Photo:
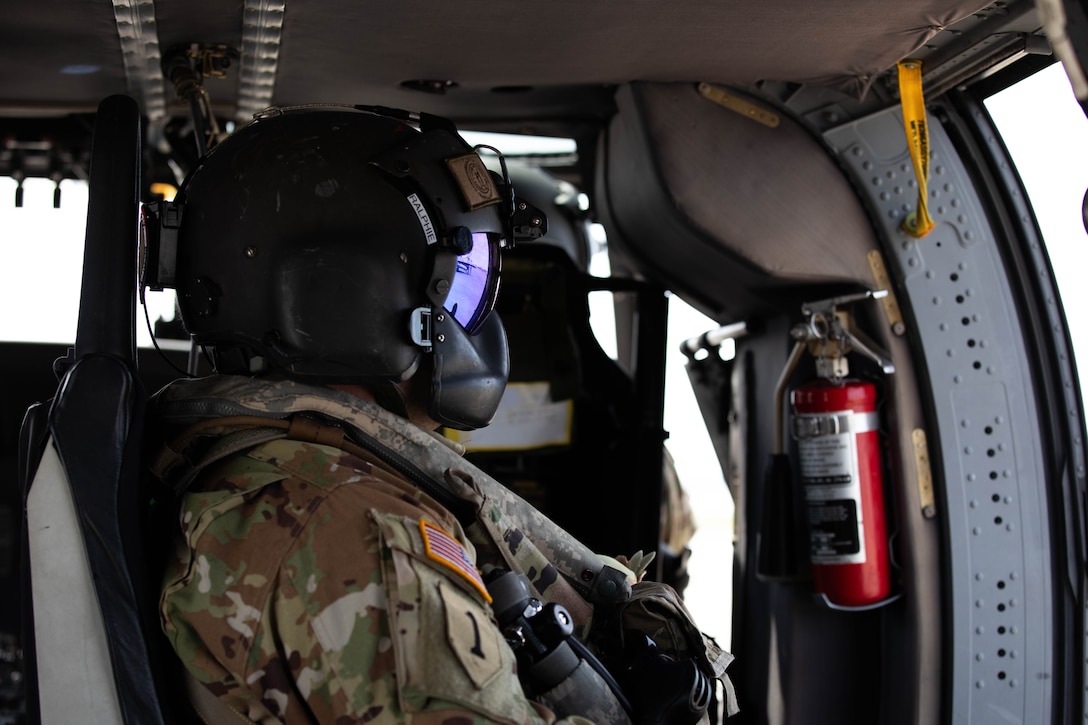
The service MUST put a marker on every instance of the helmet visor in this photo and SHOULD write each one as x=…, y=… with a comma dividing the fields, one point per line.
x=475, y=283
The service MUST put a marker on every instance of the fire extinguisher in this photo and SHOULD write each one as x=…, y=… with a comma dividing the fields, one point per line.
x=835, y=426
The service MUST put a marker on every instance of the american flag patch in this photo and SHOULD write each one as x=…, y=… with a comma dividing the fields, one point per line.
x=446, y=550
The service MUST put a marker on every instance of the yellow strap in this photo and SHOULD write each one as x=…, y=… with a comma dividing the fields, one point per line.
x=917, y=223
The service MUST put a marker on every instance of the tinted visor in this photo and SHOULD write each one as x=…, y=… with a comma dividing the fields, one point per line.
x=475, y=284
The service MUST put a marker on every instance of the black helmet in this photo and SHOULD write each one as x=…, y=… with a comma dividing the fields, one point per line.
x=340, y=245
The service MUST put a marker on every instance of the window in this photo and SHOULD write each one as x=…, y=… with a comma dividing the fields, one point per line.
x=1052, y=160
x=41, y=265
x=42, y=260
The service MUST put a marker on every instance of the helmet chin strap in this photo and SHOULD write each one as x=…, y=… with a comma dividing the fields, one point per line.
x=390, y=396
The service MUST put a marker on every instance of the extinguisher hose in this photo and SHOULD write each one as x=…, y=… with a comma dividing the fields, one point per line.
x=776, y=559
x=780, y=397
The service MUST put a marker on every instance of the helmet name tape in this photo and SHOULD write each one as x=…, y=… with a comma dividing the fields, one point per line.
x=474, y=181
x=424, y=218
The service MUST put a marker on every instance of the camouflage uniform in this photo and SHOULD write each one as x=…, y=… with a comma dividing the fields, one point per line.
x=303, y=593
x=311, y=584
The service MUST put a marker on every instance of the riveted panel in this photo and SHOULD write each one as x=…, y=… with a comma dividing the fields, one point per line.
x=988, y=476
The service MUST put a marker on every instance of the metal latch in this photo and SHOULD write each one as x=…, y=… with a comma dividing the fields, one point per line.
x=738, y=105
x=891, y=306
x=925, y=474
x=421, y=328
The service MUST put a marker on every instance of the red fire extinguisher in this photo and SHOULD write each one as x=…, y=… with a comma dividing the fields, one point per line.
x=835, y=425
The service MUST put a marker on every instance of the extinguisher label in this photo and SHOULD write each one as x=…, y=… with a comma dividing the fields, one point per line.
x=835, y=534
x=829, y=472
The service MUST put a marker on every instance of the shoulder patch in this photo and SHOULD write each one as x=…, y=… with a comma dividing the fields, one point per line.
x=474, y=180
x=446, y=550
x=473, y=639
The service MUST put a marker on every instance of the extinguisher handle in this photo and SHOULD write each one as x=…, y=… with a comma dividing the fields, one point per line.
x=827, y=307
x=885, y=364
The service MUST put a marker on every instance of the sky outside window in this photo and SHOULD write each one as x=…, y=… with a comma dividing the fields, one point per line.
x=1046, y=133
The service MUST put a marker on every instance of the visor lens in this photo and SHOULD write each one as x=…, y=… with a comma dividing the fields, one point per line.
x=475, y=283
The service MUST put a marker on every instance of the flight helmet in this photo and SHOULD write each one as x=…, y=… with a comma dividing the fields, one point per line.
x=345, y=245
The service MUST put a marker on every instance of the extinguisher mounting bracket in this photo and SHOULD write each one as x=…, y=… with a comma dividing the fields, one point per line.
x=830, y=334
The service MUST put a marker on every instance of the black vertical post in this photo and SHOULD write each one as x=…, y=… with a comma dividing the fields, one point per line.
x=653, y=316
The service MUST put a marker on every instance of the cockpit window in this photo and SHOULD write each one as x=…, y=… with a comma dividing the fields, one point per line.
x=41, y=264
x=41, y=260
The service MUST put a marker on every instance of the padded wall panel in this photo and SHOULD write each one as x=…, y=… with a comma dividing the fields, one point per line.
x=739, y=213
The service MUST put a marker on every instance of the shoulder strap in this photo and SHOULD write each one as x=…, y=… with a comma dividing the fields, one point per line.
x=401, y=446
x=179, y=462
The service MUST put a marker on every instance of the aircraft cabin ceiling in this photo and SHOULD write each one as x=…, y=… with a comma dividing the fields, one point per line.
x=475, y=59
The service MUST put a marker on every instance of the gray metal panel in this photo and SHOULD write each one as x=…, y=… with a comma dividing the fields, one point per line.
x=989, y=474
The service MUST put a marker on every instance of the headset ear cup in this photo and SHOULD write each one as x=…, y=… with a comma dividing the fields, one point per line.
x=469, y=373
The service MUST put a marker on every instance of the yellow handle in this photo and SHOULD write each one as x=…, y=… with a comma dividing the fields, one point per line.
x=918, y=223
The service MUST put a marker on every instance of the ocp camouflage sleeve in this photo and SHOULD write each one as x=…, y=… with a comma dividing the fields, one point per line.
x=308, y=589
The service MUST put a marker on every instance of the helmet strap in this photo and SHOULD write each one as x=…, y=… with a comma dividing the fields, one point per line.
x=390, y=397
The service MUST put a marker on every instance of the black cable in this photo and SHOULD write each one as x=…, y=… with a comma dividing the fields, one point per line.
x=147, y=319
x=583, y=652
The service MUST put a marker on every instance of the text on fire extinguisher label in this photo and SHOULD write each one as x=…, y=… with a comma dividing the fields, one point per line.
x=829, y=472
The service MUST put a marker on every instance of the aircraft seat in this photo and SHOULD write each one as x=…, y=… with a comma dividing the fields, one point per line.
x=91, y=642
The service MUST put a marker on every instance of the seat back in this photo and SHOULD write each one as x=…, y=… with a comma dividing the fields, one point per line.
x=90, y=638
x=577, y=435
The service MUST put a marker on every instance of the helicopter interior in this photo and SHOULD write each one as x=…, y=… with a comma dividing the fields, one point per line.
x=754, y=159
